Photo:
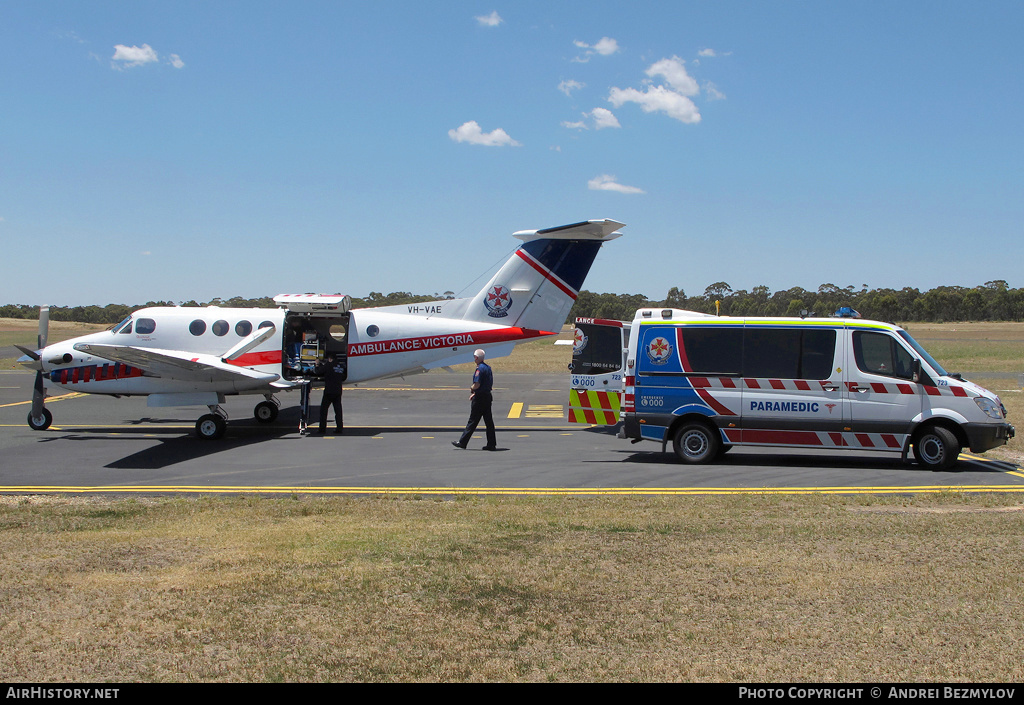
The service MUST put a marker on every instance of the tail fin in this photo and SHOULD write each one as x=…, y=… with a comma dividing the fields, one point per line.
x=539, y=283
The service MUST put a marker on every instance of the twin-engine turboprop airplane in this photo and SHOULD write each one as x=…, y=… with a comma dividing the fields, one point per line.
x=180, y=356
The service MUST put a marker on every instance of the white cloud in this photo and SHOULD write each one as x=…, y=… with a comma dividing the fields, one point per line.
x=658, y=99
x=176, y=61
x=608, y=183
x=568, y=87
x=606, y=46
x=491, y=20
x=470, y=132
x=712, y=92
x=674, y=71
x=133, y=55
x=604, y=118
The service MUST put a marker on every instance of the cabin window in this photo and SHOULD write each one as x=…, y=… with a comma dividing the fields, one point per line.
x=788, y=353
x=372, y=331
x=711, y=350
x=126, y=328
x=243, y=328
x=220, y=327
x=197, y=327
x=145, y=326
x=266, y=324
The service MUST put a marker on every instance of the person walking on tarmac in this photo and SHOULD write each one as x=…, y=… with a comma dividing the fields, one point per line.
x=333, y=371
x=480, y=404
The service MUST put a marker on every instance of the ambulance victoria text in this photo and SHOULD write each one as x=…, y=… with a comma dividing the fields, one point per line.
x=708, y=383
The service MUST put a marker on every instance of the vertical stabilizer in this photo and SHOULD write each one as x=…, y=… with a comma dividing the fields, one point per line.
x=539, y=283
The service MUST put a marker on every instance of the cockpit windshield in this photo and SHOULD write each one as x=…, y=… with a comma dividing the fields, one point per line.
x=121, y=325
x=923, y=353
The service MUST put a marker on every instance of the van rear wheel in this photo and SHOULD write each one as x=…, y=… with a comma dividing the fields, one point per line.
x=696, y=443
x=936, y=448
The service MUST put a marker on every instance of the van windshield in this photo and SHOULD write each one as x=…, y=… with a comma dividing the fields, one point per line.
x=923, y=353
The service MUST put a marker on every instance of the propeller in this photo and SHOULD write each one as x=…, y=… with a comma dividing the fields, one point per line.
x=39, y=418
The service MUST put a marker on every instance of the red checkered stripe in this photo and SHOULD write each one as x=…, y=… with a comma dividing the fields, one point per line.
x=820, y=439
x=594, y=407
x=804, y=385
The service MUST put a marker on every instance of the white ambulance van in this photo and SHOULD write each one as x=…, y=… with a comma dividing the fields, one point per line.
x=706, y=383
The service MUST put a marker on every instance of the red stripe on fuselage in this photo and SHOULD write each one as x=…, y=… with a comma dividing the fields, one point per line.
x=269, y=357
x=447, y=340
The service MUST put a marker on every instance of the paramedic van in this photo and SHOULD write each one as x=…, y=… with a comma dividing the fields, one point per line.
x=705, y=384
x=598, y=357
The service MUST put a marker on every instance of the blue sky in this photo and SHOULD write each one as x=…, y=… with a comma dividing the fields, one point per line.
x=187, y=150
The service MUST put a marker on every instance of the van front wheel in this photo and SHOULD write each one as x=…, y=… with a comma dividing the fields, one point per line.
x=936, y=448
x=696, y=443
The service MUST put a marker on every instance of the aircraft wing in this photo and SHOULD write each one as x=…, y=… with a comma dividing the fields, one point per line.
x=176, y=364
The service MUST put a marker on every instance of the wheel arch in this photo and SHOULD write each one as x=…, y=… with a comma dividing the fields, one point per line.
x=685, y=418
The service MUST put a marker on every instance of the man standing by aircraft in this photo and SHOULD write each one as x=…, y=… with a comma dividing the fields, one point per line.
x=480, y=404
x=333, y=371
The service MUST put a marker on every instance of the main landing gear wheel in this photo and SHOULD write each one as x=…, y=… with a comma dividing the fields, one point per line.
x=211, y=427
x=42, y=423
x=696, y=443
x=936, y=448
x=265, y=412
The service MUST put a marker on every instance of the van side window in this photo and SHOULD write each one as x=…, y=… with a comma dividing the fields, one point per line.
x=788, y=353
x=712, y=350
x=880, y=354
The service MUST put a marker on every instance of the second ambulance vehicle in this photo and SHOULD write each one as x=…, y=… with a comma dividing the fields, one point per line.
x=706, y=383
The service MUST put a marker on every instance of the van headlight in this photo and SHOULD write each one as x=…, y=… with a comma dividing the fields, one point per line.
x=990, y=408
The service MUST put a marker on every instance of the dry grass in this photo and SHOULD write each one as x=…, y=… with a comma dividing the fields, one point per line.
x=757, y=589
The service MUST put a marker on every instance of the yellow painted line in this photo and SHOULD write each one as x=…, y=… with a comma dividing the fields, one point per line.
x=516, y=411
x=62, y=397
x=552, y=411
x=550, y=491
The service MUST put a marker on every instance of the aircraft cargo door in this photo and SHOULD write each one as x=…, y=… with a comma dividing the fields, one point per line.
x=314, y=326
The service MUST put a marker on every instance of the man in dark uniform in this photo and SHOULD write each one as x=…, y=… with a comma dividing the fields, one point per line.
x=333, y=371
x=480, y=404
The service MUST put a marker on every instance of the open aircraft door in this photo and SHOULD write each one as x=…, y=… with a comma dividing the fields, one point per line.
x=314, y=325
x=597, y=368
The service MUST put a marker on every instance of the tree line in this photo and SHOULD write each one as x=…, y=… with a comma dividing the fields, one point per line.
x=991, y=301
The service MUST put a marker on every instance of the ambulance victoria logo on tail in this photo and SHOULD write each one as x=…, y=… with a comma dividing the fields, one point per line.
x=498, y=301
x=659, y=351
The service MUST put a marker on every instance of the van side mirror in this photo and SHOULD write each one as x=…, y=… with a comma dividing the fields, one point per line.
x=915, y=370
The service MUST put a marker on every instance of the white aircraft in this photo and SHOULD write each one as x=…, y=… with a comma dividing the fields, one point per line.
x=180, y=356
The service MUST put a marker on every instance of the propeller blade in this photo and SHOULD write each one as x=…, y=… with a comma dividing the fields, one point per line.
x=30, y=353
x=38, y=397
x=44, y=325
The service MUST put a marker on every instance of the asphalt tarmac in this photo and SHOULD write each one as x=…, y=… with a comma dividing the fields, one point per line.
x=397, y=438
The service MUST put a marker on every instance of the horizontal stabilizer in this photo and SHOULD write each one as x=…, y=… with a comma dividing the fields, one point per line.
x=603, y=230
